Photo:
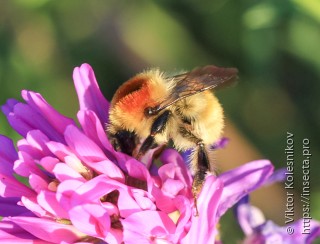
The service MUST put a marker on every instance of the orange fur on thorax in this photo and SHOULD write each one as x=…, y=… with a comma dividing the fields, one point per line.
x=132, y=98
x=135, y=101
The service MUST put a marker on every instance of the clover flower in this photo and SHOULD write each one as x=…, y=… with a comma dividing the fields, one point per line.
x=78, y=189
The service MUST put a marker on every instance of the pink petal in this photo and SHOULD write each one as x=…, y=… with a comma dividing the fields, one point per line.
x=10, y=187
x=66, y=154
x=147, y=160
x=107, y=168
x=249, y=217
x=94, y=189
x=39, y=104
x=138, y=171
x=12, y=233
x=64, y=172
x=80, y=143
x=91, y=153
x=35, y=144
x=17, y=123
x=74, y=163
x=203, y=227
x=164, y=202
x=48, y=163
x=241, y=181
x=7, y=108
x=60, y=150
x=114, y=236
x=9, y=207
x=89, y=94
x=184, y=207
x=143, y=199
x=278, y=175
x=174, y=168
x=48, y=230
x=8, y=155
x=47, y=200
x=37, y=183
x=182, y=173
x=7, y=150
x=172, y=187
x=26, y=165
x=95, y=130
x=300, y=229
x=32, y=204
x=23, y=119
x=91, y=219
x=148, y=227
x=175, y=180
x=65, y=191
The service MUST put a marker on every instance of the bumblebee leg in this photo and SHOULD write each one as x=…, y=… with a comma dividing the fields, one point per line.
x=203, y=166
x=202, y=163
x=157, y=127
x=188, y=135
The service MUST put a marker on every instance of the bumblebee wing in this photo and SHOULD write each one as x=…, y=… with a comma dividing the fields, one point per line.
x=198, y=80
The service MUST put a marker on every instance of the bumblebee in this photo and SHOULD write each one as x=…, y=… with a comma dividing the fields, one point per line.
x=152, y=109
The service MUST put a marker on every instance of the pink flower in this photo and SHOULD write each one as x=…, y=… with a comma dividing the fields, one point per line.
x=259, y=230
x=80, y=190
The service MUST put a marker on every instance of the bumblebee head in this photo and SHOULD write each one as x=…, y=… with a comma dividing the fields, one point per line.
x=132, y=97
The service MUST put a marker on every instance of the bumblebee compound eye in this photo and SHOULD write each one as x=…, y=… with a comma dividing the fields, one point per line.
x=149, y=111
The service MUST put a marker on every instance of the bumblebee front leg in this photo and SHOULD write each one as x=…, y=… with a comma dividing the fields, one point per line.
x=158, y=126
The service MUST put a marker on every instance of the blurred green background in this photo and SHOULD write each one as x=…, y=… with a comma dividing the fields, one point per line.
x=274, y=44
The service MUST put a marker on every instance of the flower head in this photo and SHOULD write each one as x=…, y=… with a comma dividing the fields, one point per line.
x=79, y=189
